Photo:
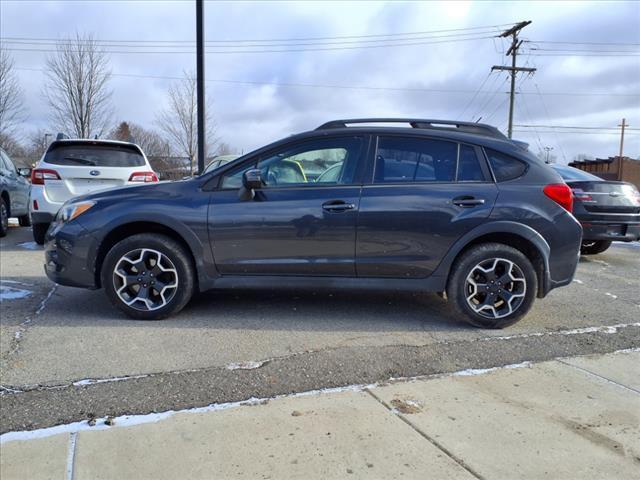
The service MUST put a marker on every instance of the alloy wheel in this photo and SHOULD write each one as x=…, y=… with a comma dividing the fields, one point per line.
x=495, y=288
x=145, y=279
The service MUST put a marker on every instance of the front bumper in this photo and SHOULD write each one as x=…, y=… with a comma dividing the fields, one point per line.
x=611, y=230
x=70, y=255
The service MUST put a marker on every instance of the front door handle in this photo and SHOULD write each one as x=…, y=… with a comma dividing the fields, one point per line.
x=468, y=201
x=337, y=206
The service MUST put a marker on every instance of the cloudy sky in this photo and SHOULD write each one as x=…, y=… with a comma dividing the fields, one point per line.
x=422, y=59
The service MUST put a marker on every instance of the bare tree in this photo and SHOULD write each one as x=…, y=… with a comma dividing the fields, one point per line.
x=151, y=142
x=12, y=110
x=77, y=87
x=179, y=119
x=39, y=141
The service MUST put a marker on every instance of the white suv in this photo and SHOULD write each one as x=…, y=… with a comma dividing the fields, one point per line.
x=76, y=167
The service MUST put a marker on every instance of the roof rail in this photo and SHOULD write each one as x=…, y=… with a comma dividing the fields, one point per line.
x=446, y=125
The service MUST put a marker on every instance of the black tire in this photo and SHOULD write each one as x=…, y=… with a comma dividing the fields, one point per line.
x=24, y=220
x=179, y=260
x=39, y=232
x=4, y=217
x=522, y=289
x=593, y=247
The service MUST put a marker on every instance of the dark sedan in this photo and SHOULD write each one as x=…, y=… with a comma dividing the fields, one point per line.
x=607, y=210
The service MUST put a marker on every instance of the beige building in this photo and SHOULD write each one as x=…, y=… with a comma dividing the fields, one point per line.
x=612, y=169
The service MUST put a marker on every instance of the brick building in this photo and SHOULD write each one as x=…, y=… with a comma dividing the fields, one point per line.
x=612, y=169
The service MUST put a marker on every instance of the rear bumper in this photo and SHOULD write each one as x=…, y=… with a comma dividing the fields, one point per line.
x=69, y=252
x=611, y=230
x=47, y=209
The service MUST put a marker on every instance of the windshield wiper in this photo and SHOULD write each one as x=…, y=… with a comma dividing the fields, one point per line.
x=82, y=161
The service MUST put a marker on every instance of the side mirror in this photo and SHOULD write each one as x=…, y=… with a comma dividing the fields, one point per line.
x=252, y=179
x=24, y=172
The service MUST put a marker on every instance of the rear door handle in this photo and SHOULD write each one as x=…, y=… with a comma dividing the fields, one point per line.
x=337, y=206
x=468, y=202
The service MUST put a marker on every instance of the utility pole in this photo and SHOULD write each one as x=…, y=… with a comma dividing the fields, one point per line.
x=200, y=82
x=513, y=51
x=622, y=125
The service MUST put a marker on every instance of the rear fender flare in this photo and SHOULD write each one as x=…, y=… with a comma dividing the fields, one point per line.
x=498, y=227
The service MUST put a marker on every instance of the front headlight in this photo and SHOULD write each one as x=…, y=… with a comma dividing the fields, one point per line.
x=72, y=210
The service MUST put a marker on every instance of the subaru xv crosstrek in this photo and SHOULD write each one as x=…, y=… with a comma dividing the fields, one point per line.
x=405, y=205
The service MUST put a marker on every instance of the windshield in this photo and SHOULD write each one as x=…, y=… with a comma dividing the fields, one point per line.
x=95, y=155
x=573, y=174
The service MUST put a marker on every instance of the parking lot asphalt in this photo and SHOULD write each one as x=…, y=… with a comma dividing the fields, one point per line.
x=70, y=350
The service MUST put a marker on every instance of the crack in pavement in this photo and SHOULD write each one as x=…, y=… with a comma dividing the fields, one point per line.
x=329, y=368
x=14, y=347
x=252, y=364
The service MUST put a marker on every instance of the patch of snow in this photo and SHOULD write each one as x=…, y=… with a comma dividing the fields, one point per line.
x=578, y=281
x=245, y=365
x=92, y=381
x=15, y=282
x=627, y=244
x=13, y=222
x=611, y=295
x=481, y=371
x=12, y=293
x=30, y=246
x=575, y=331
x=43, y=303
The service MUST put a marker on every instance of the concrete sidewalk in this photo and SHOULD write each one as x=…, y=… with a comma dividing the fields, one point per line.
x=566, y=419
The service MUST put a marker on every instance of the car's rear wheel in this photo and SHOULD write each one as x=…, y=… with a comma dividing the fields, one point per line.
x=492, y=285
x=39, y=232
x=148, y=276
x=4, y=217
x=593, y=247
x=24, y=220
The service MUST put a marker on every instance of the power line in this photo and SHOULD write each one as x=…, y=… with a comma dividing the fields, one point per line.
x=581, y=43
x=573, y=132
x=572, y=127
x=544, y=105
x=474, y=95
x=578, y=50
x=585, y=55
x=424, y=32
x=168, y=44
x=353, y=87
x=221, y=52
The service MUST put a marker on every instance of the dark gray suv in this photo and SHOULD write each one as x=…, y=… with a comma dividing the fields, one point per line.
x=375, y=204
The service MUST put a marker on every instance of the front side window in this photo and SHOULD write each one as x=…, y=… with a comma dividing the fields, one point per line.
x=314, y=163
x=402, y=159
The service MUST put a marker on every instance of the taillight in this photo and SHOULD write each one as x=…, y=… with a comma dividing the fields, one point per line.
x=143, y=177
x=561, y=194
x=40, y=175
x=581, y=195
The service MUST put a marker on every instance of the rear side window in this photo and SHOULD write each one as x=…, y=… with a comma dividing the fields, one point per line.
x=402, y=159
x=94, y=156
x=505, y=167
x=469, y=169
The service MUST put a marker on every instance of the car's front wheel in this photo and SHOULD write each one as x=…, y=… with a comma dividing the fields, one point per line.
x=492, y=285
x=148, y=276
x=593, y=247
